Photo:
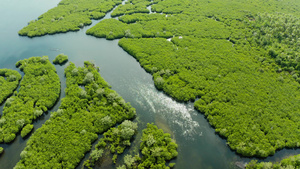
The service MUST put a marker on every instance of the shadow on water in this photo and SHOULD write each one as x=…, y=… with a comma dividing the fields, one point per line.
x=199, y=145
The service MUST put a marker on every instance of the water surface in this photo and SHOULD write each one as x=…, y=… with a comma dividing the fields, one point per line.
x=199, y=146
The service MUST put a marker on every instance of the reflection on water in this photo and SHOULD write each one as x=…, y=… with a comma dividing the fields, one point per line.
x=175, y=114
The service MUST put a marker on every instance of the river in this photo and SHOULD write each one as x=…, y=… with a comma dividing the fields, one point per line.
x=199, y=146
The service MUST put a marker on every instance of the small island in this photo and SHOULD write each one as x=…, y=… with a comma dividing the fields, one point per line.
x=114, y=141
x=9, y=81
x=26, y=130
x=60, y=59
x=84, y=112
x=39, y=91
x=157, y=148
x=68, y=17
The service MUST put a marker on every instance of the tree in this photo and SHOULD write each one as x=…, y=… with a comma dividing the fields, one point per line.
x=129, y=160
x=96, y=154
x=89, y=77
x=159, y=82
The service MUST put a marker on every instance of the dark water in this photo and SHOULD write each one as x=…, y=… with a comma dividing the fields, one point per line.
x=199, y=146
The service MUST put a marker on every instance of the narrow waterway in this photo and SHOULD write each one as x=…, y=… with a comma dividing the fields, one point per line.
x=199, y=146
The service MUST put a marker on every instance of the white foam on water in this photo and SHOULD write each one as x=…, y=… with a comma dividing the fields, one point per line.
x=176, y=114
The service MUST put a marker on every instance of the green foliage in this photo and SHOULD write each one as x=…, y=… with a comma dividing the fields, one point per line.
x=1, y=150
x=64, y=139
x=114, y=140
x=26, y=130
x=157, y=25
x=129, y=161
x=96, y=154
x=9, y=81
x=69, y=15
x=110, y=29
x=292, y=162
x=60, y=59
x=171, y=165
x=9, y=137
x=121, y=167
x=278, y=34
x=156, y=147
x=39, y=91
x=226, y=54
x=241, y=64
x=132, y=6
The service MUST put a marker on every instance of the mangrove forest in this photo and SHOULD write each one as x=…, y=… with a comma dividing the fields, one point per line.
x=237, y=62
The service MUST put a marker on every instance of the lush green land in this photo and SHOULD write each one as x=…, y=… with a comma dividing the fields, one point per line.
x=115, y=140
x=27, y=129
x=241, y=64
x=60, y=59
x=1, y=150
x=83, y=114
x=69, y=15
x=223, y=54
x=156, y=148
x=158, y=25
x=244, y=101
x=132, y=6
x=39, y=91
x=279, y=35
x=292, y=162
x=9, y=81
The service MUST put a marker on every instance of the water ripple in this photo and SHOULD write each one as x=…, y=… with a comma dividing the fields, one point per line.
x=178, y=115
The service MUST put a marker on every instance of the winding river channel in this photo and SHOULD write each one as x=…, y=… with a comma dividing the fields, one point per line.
x=199, y=146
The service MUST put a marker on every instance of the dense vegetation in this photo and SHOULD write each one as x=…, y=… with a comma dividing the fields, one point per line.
x=292, y=162
x=115, y=140
x=60, y=59
x=156, y=147
x=213, y=55
x=27, y=129
x=1, y=150
x=39, y=91
x=158, y=25
x=279, y=35
x=242, y=64
x=69, y=15
x=132, y=6
x=9, y=81
x=89, y=108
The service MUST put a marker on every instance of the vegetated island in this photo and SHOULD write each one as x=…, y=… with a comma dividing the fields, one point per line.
x=69, y=15
x=242, y=64
x=157, y=148
x=133, y=6
x=89, y=108
x=9, y=81
x=292, y=162
x=60, y=59
x=194, y=51
x=39, y=91
x=1, y=150
x=114, y=141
